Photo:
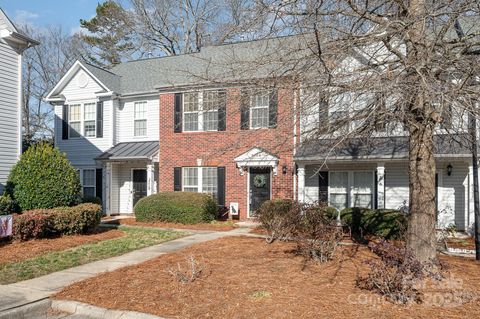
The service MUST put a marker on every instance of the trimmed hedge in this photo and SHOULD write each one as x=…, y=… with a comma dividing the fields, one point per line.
x=41, y=223
x=176, y=207
x=43, y=178
x=8, y=205
x=388, y=224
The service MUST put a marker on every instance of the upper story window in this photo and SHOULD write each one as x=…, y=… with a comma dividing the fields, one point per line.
x=259, y=110
x=75, y=121
x=140, y=119
x=89, y=119
x=201, y=110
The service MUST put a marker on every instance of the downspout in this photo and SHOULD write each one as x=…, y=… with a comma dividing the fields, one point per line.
x=294, y=143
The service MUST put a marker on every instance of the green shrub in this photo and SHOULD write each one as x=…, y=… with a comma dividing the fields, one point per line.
x=388, y=224
x=92, y=200
x=78, y=219
x=176, y=207
x=33, y=224
x=8, y=205
x=41, y=223
x=43, y=178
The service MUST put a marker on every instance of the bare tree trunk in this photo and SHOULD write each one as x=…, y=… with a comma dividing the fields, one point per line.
x=421, y=224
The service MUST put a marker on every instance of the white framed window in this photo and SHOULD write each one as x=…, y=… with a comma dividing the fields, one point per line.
x=338, y=190
x=351, y=189
x=140, y=119
x=89, y=119
x=259, y=109
x=191, y=111
x=88, y=182
x=75, y=121
x=200, y=110
x=362, y=189
x=200, y=179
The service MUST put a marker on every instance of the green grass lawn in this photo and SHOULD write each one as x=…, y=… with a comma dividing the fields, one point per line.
x=135, y=238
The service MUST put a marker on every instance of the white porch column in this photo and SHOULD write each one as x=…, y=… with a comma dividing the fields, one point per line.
x=150, y=179
x=381, y=185
x=470, y=212
x=301, y=182
x=108, y=188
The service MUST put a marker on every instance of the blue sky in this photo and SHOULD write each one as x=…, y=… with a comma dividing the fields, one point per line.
x=66, y=13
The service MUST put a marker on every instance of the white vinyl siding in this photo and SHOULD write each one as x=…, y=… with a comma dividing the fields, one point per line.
x=200, y=179
x=9, y=110
x=125, y=124
x=140, y=119
x=259, y=107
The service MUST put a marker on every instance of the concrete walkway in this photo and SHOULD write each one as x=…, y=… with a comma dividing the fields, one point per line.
x=31, y=291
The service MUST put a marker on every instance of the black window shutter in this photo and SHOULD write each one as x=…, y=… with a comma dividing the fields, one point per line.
x=323, y=114
x=99, y=119
x=221, y=186
x=222, y=110
x=177, y=179
x=323, y=187
x=65, y=122
x=98, y=182
x=178, y=101
x=273, y=108
x=245, y=110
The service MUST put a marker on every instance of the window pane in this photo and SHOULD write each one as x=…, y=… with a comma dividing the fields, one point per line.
x=362, y=200
x=74, y=130
x=140, y=128
x=339, y=201
x=210, y=121
x=338, y=182
x=89, y=129
x=75, y=113
x=211, y=100
x=89, y=111
x=261, y=99
x=363, y=182
x=190, y=177
x=140, y=112
x=190, y=102
x=190, y=189
x=88, y=177
x=191, y=122
x=209, y=180
x=89, y=192
x=259, y=117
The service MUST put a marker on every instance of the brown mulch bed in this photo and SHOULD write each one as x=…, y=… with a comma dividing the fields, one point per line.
x=258, y=231
x=247, y=278
x=217, y=226
x=16, y=251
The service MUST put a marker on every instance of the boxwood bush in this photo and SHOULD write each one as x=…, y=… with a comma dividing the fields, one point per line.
x=388, y=224
x=43, y=178
x=8, y=205
x=41, y=223
x=176, y=207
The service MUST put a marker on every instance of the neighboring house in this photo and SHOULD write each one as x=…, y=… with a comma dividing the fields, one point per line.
x=12, y=44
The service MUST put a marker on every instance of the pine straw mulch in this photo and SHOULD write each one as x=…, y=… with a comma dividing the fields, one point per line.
x=247, y=278
x=16, y=251
x=216, y=226
x=462, y=243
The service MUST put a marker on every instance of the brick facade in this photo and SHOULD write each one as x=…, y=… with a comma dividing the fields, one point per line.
x=220, y=148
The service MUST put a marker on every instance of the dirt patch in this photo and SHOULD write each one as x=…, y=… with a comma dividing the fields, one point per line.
x=217, y=226
x=16, y=251
x=247, y=278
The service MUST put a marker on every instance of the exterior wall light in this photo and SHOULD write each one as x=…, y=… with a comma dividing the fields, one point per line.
x=449, y=169
x=284, y=169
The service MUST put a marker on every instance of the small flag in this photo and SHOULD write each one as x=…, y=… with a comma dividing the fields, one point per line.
x=6, y=225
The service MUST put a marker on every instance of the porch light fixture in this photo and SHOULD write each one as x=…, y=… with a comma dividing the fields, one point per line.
x=284, y=169
x=449, y=169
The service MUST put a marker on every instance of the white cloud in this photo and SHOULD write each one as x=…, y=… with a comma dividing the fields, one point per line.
x=25, y=17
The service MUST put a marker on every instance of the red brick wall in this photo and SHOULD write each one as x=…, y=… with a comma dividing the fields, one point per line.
x=220, y=148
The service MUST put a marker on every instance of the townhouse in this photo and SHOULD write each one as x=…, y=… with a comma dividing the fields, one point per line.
x=12, y=44
x=204, y=122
